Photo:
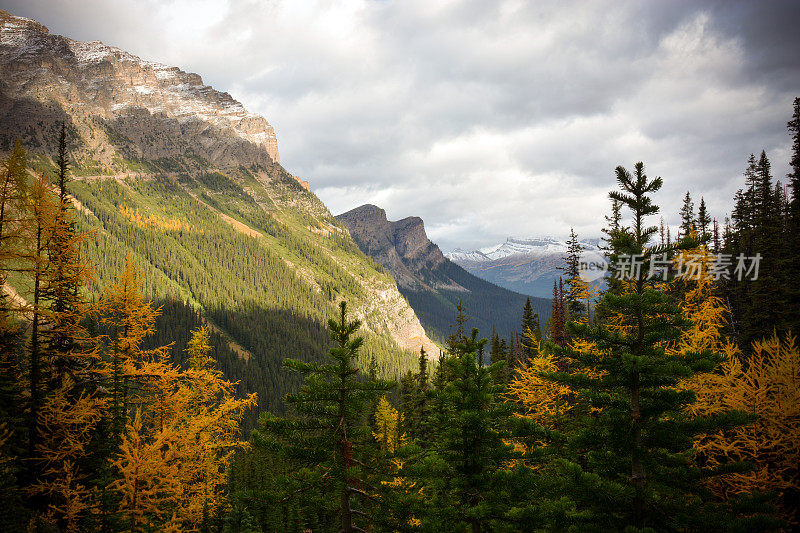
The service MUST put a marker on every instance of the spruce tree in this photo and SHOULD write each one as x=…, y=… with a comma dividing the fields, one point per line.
x=792, y=248
x=475, y=479
x=558, y=319
x=328, y=435
x=531, y=332
x=688, y=221
x=576, y=286
x=635, y=438
x=715, y=239
x=703, y=220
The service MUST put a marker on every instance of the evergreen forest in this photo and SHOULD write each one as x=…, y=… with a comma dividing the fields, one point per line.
x=132, y=397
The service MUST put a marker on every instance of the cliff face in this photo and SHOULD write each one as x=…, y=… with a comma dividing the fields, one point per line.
x=112, y=98
x=432, y=284
x=402, y=247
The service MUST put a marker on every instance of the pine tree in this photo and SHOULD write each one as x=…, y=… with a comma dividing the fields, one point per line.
x=476, y=479
x=717, y=243
x=792, y=248
x=635, y=472
x=613, y=224
x=558, y=321
x=421, y=399
x=530, y=330
x=328, y=435
x=576, y=286
x=42, y=208
x=688, y=221
x=703, y=220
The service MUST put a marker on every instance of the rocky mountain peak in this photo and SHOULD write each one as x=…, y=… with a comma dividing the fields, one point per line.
x=412, y=241
x=402, y=247
x=366, y=212
x=92, y=79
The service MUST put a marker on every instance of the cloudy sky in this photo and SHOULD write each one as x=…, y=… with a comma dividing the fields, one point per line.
x=486, y=118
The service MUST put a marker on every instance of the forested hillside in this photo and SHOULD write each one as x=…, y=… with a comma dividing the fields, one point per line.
x=262, y=278
x=188, y=183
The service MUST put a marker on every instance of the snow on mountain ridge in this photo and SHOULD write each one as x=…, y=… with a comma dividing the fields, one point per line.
x=535, y=247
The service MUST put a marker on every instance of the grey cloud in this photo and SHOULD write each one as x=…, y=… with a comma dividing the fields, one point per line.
x=486, y=119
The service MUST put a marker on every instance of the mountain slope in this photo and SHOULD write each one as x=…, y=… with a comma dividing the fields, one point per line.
x=432, y=283
x=528, y=266
x=187, y=182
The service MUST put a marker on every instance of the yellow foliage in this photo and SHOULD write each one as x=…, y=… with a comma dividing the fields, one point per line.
x=176, y=449
x=769, y=388
x=147, y=475
x=388, y=421
x=701, y=306
x=199, y=350
x=148, y=219
x=543, y=400
x=67, y=428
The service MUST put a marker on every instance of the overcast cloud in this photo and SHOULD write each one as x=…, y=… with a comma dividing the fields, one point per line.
x=487, y=119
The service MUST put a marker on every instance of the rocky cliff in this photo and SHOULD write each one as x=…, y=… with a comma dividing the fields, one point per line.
x=119, y=107
x=432, y=283
x=402, y=247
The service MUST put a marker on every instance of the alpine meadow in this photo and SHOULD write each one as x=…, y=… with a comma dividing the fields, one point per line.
x=190, y=340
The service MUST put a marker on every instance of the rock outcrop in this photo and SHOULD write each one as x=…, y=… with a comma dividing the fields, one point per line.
x=401, y=247
x=433, y=284
x=111, y=97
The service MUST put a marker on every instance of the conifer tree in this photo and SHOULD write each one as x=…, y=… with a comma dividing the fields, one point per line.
x=688, y=221
x=497, y=352
x=635, y=473
x=530, y=330
x=328, y=435
x=420, y=405
x=703, y=220
x=558, y=319
x=42, y=208
x=793, y=221
x=12, y=231
x=12, y=215
x=476, y=480
x=576, y=286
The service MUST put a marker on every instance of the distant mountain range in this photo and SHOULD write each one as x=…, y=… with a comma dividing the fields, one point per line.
x=528, y=266
x=431, y=282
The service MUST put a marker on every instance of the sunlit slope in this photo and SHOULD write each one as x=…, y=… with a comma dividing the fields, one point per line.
x=257, y=256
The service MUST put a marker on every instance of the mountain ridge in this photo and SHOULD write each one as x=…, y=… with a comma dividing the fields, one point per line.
x=91, y=79
x=186, y=181
x=432, y=283
x=526, y=265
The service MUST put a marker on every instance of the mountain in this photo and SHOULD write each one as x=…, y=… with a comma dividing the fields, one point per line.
x=186, y=181
x=431, y=282
x=528, y=266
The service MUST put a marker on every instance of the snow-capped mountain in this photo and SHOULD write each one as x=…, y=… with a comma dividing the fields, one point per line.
x=525, y=265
